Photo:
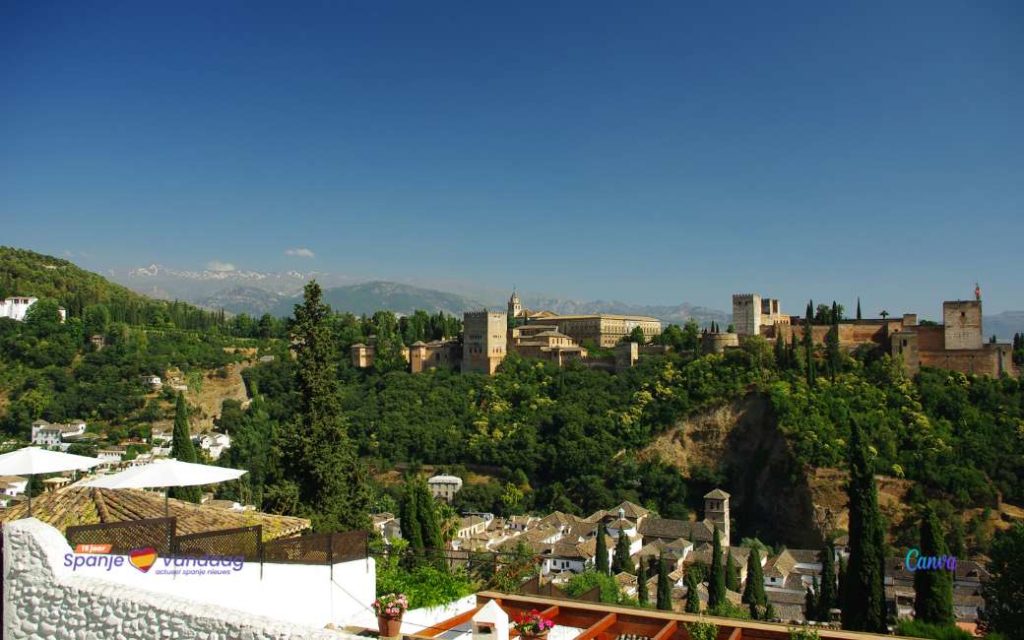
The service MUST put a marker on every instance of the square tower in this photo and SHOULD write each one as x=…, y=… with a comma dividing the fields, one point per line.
x=746, y=314
x=961, y=320
x=716, y=510
x=485, y=335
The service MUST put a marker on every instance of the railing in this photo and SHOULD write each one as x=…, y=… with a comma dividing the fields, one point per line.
x=122, y=537
x=246, y=542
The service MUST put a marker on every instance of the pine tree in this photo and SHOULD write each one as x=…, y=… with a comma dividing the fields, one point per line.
x=753, y=590
x=622, y=561
x=808, y=343
x=716, y=578
x=864, y=590
x=664, y=587
x=182, y=449
x=318, y=452
x=601, y=559
x=641, y=583
x=828, y=598
x=692, y=592
x=934, y=588
x=732, y=574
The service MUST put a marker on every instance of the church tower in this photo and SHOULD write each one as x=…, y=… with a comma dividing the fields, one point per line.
x=515, y=307
x=716, y=510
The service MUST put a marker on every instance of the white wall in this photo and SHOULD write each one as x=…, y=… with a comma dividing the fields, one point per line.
x=43, y=598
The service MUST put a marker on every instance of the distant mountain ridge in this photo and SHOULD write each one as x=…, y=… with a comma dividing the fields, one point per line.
x=368, y=297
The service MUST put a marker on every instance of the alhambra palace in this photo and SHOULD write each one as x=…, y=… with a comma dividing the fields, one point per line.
x=489, y=336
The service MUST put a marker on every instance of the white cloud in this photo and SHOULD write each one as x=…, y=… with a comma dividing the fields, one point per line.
x=217, y=265
x=301, y=252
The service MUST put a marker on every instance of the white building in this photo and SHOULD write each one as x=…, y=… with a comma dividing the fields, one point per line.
x=113, y=455
x=45, y=434
x=16, y=307
x=13, y=485
x=214, y=444
x=444, y=487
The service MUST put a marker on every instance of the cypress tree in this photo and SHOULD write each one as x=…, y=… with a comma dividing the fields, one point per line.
x=835, y=357
x=769, y=612
x=864, y=590
x=412, y=530
x=622, y=561
x=858, y=308
x=732, y=574
x=840, y=581
x=780, y=350
x=426, y=508
x=692, y=592
x=182, y=449
x=318, y=452
x=810, y=605
x=641, y=583
x=601, y=559
x=664, y=588
x=828, y=598
x=934, y=588
x=716, y=578
x=808, y=342
x=753, y=590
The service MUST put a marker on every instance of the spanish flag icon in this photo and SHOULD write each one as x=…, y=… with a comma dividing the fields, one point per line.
x=142, y=559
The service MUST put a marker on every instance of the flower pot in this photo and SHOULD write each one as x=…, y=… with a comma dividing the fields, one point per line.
x=543, y=635
x=389, y=627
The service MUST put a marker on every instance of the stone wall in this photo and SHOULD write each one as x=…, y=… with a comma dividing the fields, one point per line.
x=45, y=599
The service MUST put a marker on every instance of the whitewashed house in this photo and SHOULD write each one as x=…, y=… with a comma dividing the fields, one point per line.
x=45, y=434
x=214, y=444
x=11, y=486
x=16, y=307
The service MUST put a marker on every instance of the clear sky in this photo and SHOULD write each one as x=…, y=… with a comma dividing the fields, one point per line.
x=647, y=152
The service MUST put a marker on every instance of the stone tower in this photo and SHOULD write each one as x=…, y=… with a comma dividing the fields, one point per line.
x=961, y=320
x=746, y=314
x=515, y=306
x=484, y=341
x=716, y=510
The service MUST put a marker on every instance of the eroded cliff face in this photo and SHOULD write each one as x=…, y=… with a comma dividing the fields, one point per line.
x=771, y=495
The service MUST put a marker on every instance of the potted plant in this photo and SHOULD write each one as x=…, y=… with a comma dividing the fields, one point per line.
x=532, y=625
x=389, y=609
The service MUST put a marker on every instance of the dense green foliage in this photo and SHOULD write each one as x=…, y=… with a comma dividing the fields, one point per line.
x=182, y=449
x=318, y=453
x=933, y=601
x=425, y=584
x=921, y=629
x=1004, y=592
x=609, y=589
x=864, y=590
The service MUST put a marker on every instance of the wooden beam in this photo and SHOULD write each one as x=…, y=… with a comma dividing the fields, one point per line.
x=598, y=627
x=667, y=631
x=450, y=623
x=550, y=612
x=737, y=633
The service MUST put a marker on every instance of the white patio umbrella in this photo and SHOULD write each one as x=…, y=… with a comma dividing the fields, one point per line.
x=31, y=461
x=165, y=474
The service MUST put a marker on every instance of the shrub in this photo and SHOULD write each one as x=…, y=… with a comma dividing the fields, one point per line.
x=918, y=629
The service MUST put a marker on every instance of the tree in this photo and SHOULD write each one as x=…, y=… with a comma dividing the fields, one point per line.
x=808, y=343
x=183, y=449
x=692, y=592
x=732, y=574
x=753, y=591
x=319, y=455
x=637, y=336
x=858, y=308
x=412, y=530
x=716, y=577
x=832, y=351
x=622, y=561
x=664, y=587
x=864, y=588
x=828, y=597
x=810, y=604
x=933, y=601
x=388, y=347
x=641, y=583
x=601, y=553
x=1004, y=592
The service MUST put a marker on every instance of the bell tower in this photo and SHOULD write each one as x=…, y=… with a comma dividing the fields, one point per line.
x=515, y=307
x=716, y=510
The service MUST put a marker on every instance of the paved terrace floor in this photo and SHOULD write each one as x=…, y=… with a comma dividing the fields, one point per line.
x=590, y=621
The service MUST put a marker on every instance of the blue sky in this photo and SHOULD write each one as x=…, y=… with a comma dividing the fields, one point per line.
x=650, y=153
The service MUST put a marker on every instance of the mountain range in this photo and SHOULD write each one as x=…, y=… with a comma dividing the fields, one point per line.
x=259, y=292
